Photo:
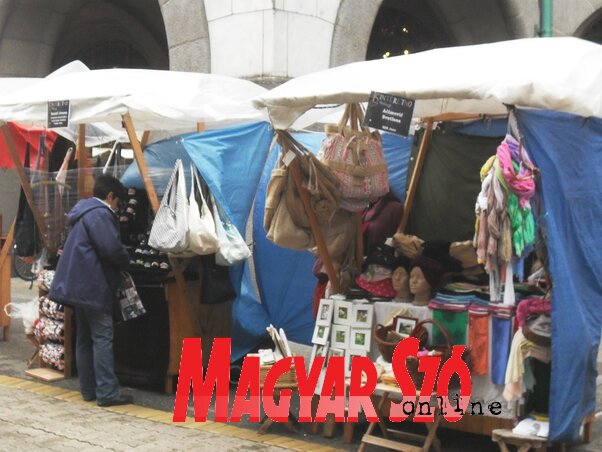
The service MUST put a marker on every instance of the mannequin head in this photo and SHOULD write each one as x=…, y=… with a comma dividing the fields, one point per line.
x=401, y=284
x=420, y=287
x=425, y=277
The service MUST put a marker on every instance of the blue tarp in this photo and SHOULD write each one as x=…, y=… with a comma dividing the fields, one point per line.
x=568, y=151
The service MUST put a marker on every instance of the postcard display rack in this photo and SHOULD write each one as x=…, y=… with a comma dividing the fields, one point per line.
x=343, y=328
x=52, y=336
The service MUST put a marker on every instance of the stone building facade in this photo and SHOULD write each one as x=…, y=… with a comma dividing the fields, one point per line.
x=267, y=41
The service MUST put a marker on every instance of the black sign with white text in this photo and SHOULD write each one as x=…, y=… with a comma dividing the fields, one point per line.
x=389, y=113
x=58, y=114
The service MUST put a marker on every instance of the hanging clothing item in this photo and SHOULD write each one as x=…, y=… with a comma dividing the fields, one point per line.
x=478, y=339
x=456, y=324
x=501, y=330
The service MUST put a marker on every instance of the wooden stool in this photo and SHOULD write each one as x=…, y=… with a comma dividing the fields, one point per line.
x=266, y=422
x=524, y=443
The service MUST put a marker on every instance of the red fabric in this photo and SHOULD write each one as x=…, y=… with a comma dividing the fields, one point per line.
x=383, y=288
x=478, y=340
x=319, y=293
x=21, y=136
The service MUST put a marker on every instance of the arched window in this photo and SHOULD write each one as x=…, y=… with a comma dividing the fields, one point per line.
x=593, y=29
x=405, y=28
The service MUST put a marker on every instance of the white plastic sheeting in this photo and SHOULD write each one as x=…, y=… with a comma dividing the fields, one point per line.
x=562, y=74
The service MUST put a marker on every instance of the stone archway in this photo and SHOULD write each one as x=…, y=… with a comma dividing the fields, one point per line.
x=460, y=21
x=187, y=35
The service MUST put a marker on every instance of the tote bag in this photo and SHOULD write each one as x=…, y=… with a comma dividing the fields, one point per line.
x=202, y=238
x=232, y=247
x=170, y=228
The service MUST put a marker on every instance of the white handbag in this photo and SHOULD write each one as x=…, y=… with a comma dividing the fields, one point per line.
x=170, y=228
x=232, y=247
x=202, y=238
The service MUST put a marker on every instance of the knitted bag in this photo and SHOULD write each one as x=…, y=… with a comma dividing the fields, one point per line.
x=355, y=155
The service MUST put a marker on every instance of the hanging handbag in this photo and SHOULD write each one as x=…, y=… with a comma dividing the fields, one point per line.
x=202, y=238
x=27, y=239
x=129, y=304
x=232, y=247
x=216, y=286
x=356, y=157
x=170, y=228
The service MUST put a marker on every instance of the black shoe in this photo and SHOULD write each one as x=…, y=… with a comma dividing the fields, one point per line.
x=121, y=400
x=89, y=399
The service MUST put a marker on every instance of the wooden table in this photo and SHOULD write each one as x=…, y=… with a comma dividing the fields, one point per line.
x=404, y=441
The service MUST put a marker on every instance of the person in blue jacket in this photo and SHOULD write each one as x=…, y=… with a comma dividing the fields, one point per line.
x=87, y=278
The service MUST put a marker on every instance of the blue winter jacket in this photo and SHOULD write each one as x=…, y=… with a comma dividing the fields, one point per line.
x=88, y=271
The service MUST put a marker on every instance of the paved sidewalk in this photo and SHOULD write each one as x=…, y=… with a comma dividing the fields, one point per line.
x=34, y=416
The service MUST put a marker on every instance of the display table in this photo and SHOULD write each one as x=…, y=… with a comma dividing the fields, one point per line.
x=504, y=437
x=396, y=439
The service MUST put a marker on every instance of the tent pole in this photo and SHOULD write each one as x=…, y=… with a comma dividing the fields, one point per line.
x=315, y=228
x=80, y=155
x=10, y=144
x=144, y=140
x=154, y=202
x=139, y=156
x=5, y=274
x=416, y=175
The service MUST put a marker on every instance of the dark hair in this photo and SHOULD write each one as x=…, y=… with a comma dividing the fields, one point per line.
x=105, y=184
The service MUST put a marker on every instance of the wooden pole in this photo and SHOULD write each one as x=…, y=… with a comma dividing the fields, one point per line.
x=12, y=150
x=315, y=228
x=5, y=274
x=139, y=156
x=80, y=155
x=144, y=140
x=416, y=175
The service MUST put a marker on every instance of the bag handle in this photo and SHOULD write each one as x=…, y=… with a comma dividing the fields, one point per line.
x=438, y=325
x=196, y=183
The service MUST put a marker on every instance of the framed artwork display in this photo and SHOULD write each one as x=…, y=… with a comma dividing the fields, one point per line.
x=360, y=339
x=362, y=314
x=349, y=354
x=319, y=350
x=321, y=333
x=343, y=310
x=325, y=310
x=405, y=325
x=339, y=336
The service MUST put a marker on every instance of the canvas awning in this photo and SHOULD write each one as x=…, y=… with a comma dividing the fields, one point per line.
x=561, y=74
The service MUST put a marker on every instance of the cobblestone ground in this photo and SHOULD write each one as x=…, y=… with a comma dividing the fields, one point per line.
x=25, y=424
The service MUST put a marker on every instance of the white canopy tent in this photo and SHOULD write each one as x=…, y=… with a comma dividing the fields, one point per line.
x=560, y=74
x=155, y=100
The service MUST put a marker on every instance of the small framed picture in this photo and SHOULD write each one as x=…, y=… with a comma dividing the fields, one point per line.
x=321, y=333
x=360, y=339
x=349, y=354
x=325, y=312
x=343, y=310
x=319, y=350
x=339, y=336
x=405, y=325
x=332, y=352
x=361, y=316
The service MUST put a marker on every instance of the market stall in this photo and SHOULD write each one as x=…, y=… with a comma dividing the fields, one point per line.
x=559, y=76
x=133, y=99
